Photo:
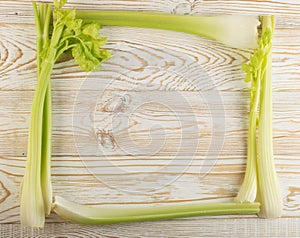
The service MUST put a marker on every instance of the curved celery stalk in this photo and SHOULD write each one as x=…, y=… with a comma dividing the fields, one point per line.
x=96, y=215
x=232, y=30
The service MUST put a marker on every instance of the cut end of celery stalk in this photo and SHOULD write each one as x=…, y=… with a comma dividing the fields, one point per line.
x=236, y=31
x=31, y=204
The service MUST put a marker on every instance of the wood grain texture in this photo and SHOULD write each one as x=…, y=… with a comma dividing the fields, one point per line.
x=135, y=48
x=195, y=227
x=179, y=131
x=139, y=131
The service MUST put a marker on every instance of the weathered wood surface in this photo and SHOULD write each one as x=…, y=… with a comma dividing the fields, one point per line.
x=252, y=227
x=156, y=79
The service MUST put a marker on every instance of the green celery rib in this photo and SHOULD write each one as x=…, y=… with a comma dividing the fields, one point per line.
x=261, y=173
x=150, y=20
x=32, y=200
x=32, y=205
x=36, y=194
x=95, y=216
x=47, y=121
x=269, y=188
x=46, y=152
x=248, y=190
x=232, y=30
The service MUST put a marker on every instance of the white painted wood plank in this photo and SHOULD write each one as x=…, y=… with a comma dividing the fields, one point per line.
x=193, y=227
x=91, y=126
x=123, y=181
x=174, y=53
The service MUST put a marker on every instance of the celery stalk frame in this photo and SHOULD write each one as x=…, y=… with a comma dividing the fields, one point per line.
x=39, y=146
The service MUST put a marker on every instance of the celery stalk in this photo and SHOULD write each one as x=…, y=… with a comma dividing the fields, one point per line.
x=98, y=215
x=36, y=185
x=261, y=181
x=269, y=188
x=42, y=42
x=232, y=30
x=248, y=190
x=46, y=152
x=84, y=42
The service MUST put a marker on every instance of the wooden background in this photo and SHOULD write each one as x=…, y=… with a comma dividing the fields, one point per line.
x=158, y=154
